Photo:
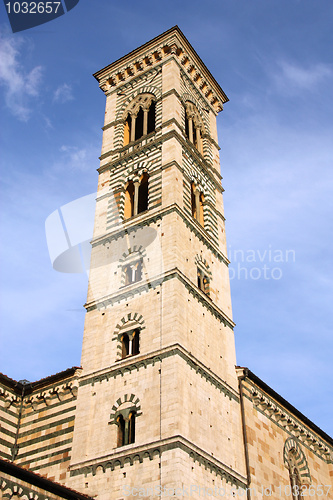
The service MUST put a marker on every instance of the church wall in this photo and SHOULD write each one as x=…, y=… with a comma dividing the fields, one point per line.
x=45, y=428
x=269, y=426
x=9, y=412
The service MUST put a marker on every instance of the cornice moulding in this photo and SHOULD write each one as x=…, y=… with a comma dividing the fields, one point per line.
x=172, y=44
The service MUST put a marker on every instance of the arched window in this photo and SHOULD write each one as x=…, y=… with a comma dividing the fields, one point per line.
x=197, y=204
x=130, y=343
x=295, y=484
x=139, y=124
x=203, y=281
x=133, y=272
x=136, y=196
x=151, y=118
x=193, y=126
x=127, y=129
x=131, y=428
x=121, y=431
x=143, y=194
x=139, y=118
x=126, y=428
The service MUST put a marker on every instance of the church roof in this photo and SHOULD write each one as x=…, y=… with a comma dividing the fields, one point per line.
x=34, y=479
x=17, y=386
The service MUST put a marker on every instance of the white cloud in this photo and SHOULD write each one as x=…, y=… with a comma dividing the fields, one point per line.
x=63, y=94
x=292, y=76
x=20, y=84
x=77, y=159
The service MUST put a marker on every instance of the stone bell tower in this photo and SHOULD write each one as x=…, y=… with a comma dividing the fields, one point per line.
x=158, y=401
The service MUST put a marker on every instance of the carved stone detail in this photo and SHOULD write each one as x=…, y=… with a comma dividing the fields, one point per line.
x=295, y=427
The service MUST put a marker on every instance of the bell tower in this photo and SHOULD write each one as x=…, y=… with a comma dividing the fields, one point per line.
x=158, y=402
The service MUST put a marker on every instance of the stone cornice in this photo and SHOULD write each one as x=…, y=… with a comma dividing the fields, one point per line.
x=124, y=294
x=136, y=149
x=173, y=44
x=134, y=363
x=287, y=421
x=155, y=449
x=42, y=398
x=151, y=217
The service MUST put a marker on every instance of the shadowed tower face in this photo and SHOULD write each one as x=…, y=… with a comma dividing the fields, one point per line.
x=158, y=402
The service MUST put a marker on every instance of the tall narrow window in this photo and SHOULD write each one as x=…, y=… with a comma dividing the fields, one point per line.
x=125, y=345
x=193, y=126
x=203, y=281
x=186, y=126
x=143, y=194
x=135, y=342
x=193, y=201
x=131, y=430
x=201, y=209
x=151, y=118
x=121, y=431
x=197, y=204
x=139, y=125
x=127, y=130
x=129, y=200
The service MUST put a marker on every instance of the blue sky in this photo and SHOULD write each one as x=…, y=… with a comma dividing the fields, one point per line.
x=273, y=58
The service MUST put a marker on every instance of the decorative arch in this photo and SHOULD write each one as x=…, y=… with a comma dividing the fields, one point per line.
x=186, y=97
x=194, y=125
x=128, y=335
x=132, y=265
x=128, y=321
x=293, y=457
x=136, y=190
x=147, y=89
x=138, y=115
x=124, y=414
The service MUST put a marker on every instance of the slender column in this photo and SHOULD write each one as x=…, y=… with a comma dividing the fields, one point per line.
x=190, y=129
x=130, y=346
x=136, y=197
x=126, y=431
x=198, y=137
x=133, y=128
x=197, y=204
x=145, y=121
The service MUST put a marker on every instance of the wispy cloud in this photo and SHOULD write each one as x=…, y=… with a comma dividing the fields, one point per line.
x=296, y=77
x=77, y=158
x=63, y=94
x=20, y=83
